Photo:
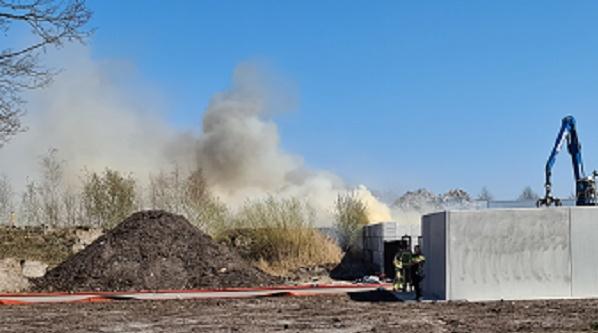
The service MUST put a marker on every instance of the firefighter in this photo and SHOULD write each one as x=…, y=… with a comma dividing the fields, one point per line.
x=402, y=264
x=417, y=271
x=398, y=280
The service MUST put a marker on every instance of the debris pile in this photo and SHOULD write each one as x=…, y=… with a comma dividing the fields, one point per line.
x=424, y=201
x=420, y=200
x=153, y=250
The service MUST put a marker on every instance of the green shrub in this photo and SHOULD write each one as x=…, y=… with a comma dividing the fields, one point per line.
x=108, y=197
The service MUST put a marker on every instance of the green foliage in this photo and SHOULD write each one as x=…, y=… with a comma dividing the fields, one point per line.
x=351, y=216
x=108, y=197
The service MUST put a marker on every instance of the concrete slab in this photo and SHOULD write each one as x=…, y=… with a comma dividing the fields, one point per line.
x=508, y=254
x=434, y=248
x=511, y=254
x=584, y=249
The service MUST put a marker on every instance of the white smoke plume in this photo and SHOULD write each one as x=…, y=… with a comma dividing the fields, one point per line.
x=92, y=122
x=97, y=122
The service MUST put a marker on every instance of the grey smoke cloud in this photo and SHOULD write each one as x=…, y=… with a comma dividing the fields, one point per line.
x=96, y=121
x=91, y=119
x=239, y=150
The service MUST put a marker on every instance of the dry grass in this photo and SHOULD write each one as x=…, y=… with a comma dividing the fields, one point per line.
x=279, y=236
x=321, y=252
x=50, y=246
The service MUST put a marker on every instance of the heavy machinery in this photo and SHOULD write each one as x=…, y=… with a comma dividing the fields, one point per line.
x=585, y=186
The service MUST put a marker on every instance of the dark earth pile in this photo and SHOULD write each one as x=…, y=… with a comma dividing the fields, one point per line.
x=153, y=250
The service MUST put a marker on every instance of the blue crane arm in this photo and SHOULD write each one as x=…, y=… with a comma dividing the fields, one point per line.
x=567, y=132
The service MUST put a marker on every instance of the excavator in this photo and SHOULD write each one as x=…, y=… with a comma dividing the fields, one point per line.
x=585, y=186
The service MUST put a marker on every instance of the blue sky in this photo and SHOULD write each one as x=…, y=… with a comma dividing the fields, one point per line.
x=394, y=94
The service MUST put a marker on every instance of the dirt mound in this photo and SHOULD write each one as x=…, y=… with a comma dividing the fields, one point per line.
x=153, y=250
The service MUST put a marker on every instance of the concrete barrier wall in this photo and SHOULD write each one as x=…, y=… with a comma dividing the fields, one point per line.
x=434, y=249
x=511, y=254
x=584, y=251
x=374, y=236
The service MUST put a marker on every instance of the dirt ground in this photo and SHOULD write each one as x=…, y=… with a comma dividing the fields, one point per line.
x=303, y=314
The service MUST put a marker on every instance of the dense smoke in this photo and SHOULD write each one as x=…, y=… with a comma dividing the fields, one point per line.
x=239, y=151
x=92, y=121
x=97, y=122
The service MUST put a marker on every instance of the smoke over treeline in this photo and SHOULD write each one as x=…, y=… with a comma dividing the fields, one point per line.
x=95, y=122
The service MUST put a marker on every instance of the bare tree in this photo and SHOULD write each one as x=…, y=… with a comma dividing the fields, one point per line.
x=188, y=195
x=6, y=201
x=30, y=210
x=52, y=23
x=51, y=188
x=528, y=194
x=485, y=195
x=351, y=216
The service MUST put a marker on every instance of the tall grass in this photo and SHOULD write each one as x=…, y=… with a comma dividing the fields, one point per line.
x=279, y=235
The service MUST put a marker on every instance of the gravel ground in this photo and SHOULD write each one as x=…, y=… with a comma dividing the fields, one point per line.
x=303, y=314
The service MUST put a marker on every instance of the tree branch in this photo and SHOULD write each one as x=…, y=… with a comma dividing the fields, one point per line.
x=53, y=22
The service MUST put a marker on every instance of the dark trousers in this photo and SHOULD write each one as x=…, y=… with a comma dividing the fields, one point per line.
x=417, y=287
x=416, y=282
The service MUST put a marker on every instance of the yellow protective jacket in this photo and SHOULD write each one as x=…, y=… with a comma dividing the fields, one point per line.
x=397, y=261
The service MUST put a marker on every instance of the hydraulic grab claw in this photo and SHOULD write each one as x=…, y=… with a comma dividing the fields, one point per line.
x=548, y=199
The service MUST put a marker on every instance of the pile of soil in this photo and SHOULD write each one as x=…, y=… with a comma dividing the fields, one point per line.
x=153, y=250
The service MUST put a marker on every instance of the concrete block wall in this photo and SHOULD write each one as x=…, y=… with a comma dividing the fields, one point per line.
x=373, y=244
x=511, y=253
x=374, y=236
x=434, y=249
